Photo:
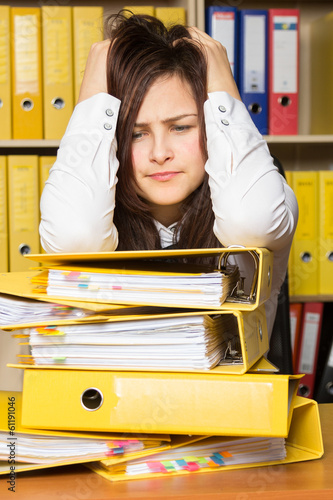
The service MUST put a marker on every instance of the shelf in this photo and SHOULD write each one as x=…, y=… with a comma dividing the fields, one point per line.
x=299, y=139
x=271, y=139
x=29, y=143
x=311, y=298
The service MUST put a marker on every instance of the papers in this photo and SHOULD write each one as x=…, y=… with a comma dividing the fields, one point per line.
x=182, y=288
x=30, y=448
x=212, y=453
x=179, y=341
x=14, y=310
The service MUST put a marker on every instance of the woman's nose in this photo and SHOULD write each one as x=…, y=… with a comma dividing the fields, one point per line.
x=161, y=150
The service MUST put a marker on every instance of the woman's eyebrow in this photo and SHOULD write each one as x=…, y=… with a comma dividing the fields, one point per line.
x=167, y=120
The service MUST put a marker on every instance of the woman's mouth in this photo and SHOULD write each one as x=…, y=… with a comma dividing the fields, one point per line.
x=163, y=176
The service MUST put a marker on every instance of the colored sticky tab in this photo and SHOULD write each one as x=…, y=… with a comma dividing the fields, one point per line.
x=156, y=467
x=71, y=275
x=181, y=463
x=59, y=359
x=202, y=460
x=191, y=458
x=226, y=454
x=192, y=466
x=217, y=458
x=168, y=464
x=212, y=464
x=49, y=330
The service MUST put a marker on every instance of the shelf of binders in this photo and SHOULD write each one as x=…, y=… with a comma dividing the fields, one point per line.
x=271, y=139
x=310, y=298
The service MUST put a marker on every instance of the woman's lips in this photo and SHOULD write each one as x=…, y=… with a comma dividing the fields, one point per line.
x=163, y=176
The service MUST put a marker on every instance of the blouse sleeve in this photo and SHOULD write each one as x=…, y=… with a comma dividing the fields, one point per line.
x=78, y=199
x=252, y=203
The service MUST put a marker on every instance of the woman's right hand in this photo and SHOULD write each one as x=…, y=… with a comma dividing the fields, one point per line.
x=94, y=78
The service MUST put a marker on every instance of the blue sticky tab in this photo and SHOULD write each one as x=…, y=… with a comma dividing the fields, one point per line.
x=181, y=462
x=217, y=458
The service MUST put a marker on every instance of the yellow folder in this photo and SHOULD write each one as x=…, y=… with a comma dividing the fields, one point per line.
x=244, y=335
x=156, y=402
x=289, y=179
x=87, y=29
x=3, y=216
x=305, y=245
x=326, y=232
x=304, y=442
x=258, y=289
x=58, y=90
x=5, y=75
x=321, y=98
x=171, y=15
x=26, y=73
x=45, y=164
x=18, y=283
x=141, y=9
x=23, y=207
x=10, y=423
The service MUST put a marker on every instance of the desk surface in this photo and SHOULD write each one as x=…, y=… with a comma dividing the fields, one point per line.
x=301, y=481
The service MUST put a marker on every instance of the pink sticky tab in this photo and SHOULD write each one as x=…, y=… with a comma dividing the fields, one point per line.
x=192, y=466
x=116, y=287
x=72, y=275
x=156, y=467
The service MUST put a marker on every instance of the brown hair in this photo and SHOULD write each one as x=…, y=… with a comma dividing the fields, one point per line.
x=142, y=51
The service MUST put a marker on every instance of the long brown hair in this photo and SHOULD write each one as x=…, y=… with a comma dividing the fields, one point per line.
x=142, y=51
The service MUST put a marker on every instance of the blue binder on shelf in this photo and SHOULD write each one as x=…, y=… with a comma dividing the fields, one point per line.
x=222, y=24
x=253, y=65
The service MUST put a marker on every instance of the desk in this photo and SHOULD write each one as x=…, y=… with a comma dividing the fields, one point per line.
x=300, y=481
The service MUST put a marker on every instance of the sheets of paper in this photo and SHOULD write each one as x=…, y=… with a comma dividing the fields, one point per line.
x=182, y=288
x=188, y=341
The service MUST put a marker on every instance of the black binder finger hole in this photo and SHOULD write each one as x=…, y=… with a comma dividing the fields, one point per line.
x=330, y=256
x=27, y=104
x=284, y=100
x=306, y=257
x=1, y=103
x=304, y=390
x=329, y=388
x=58, y=103
x=255, y=108
x=24, y=249
x=91, y=399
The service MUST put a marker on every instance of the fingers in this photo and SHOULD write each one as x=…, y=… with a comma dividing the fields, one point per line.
x=94, y=79
x=219, y=74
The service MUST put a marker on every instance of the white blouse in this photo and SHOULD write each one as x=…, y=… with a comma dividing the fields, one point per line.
x=252, y=203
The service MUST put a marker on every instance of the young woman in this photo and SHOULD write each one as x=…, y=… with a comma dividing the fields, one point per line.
x=161, y=151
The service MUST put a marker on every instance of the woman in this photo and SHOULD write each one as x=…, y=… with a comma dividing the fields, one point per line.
x=149, y=161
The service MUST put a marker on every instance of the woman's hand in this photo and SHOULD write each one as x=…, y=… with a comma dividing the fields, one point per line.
x=219, y=74
x=94, y=78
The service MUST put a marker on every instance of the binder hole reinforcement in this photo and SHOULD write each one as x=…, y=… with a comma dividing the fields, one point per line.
x=91, y=399
x=24, y=249
x=329, y=388
x=58, y=103
x=284, y=100
x=304, y=390
x=255, y=108
x=27, y=104
x=306, y=257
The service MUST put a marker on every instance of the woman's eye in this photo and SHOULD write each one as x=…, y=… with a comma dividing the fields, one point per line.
x=137, y=135
x=181, y=128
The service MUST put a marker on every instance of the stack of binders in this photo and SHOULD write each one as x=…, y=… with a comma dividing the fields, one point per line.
x=156, y=342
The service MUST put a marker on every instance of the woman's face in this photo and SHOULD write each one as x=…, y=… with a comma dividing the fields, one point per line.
x=167, y=158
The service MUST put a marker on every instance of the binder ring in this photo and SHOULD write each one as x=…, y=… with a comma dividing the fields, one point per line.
x=58, y=103
x=223, y=262
x=27, y=104
x=92, y=399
